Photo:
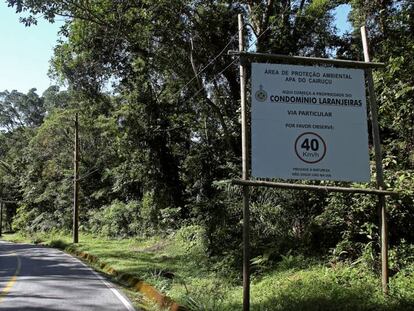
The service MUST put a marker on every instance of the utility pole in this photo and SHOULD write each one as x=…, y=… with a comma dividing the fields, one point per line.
x=1, y=218
x=76, y=184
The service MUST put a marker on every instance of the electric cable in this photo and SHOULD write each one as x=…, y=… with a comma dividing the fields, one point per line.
x=229, y=65
x=217, y=56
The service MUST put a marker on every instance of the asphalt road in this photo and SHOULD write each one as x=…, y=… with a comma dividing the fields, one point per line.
x=38, y=278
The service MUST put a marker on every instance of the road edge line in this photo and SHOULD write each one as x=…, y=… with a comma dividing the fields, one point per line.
x=115, y=291
x=147, y=290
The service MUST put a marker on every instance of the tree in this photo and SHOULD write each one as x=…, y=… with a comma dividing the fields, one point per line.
x=20, y=110
x=160, y=97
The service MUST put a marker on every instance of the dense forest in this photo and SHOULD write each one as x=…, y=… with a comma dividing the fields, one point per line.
x=158, y=99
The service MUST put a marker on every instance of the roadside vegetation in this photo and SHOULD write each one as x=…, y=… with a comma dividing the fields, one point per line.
x=178, y=266
x=158, y=103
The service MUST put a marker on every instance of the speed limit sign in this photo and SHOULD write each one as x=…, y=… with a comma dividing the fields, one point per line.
x=310, y=147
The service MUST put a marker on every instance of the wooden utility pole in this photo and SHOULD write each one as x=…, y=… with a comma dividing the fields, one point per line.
x=245, y=173
x=76, y=184
x=1, y=218
x=378, y=163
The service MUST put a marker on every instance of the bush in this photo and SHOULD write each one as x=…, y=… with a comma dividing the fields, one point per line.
x=192, y=238
x=24, y=216
x=117, y=219
x=402, y=256
x=34, y=220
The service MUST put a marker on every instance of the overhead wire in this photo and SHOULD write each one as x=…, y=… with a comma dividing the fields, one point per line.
x=197, y=75
x=218, y=74
x=205, y=67
x=231, y=63
x=228, y=66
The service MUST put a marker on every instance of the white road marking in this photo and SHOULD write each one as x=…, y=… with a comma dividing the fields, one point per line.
x=124, y=301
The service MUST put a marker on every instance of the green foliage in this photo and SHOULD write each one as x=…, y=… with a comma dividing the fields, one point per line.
x=349, y=220
x=296, y=283
x=401, y=257
x=21, y=110
x=402, y=286
x=60, y=244
x=150, y=211
x=159, y=130
x=192, y=239
x=117, y=220
x=209, y=297
x=151, y=141
x=24, y=217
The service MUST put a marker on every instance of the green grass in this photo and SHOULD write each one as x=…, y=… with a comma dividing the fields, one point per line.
x=179, y=267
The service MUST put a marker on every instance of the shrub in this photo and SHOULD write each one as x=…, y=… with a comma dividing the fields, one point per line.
x=117, y=219
x=24, y=216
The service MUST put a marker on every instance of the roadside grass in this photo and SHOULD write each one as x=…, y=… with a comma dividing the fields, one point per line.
x=177, y=265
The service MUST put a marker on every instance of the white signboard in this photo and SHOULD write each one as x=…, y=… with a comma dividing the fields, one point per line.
x=309, y=122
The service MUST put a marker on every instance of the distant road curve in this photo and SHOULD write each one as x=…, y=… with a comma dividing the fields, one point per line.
x=43, y=279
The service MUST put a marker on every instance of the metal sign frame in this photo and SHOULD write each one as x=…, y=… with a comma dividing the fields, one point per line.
x=247, y=58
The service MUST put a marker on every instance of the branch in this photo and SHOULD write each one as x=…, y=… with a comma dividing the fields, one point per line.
x=209, y=102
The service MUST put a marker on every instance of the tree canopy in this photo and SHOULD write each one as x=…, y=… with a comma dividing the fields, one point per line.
x=158, y=98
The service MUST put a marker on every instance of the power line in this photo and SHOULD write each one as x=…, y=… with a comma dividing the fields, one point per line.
x=229, y=65
x=214, y=78
x=88, y=173
x=216, y=57
x=205, y=67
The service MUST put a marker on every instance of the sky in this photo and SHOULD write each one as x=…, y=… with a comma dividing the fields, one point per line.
x=25, y=52
x=341, y=18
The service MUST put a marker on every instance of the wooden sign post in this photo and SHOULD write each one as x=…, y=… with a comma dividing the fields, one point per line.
x=245, y=174
x=378, y=165
x=352, y=96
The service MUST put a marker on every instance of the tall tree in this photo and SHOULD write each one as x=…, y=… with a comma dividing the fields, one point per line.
x=155, y=78
x=18, y=109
